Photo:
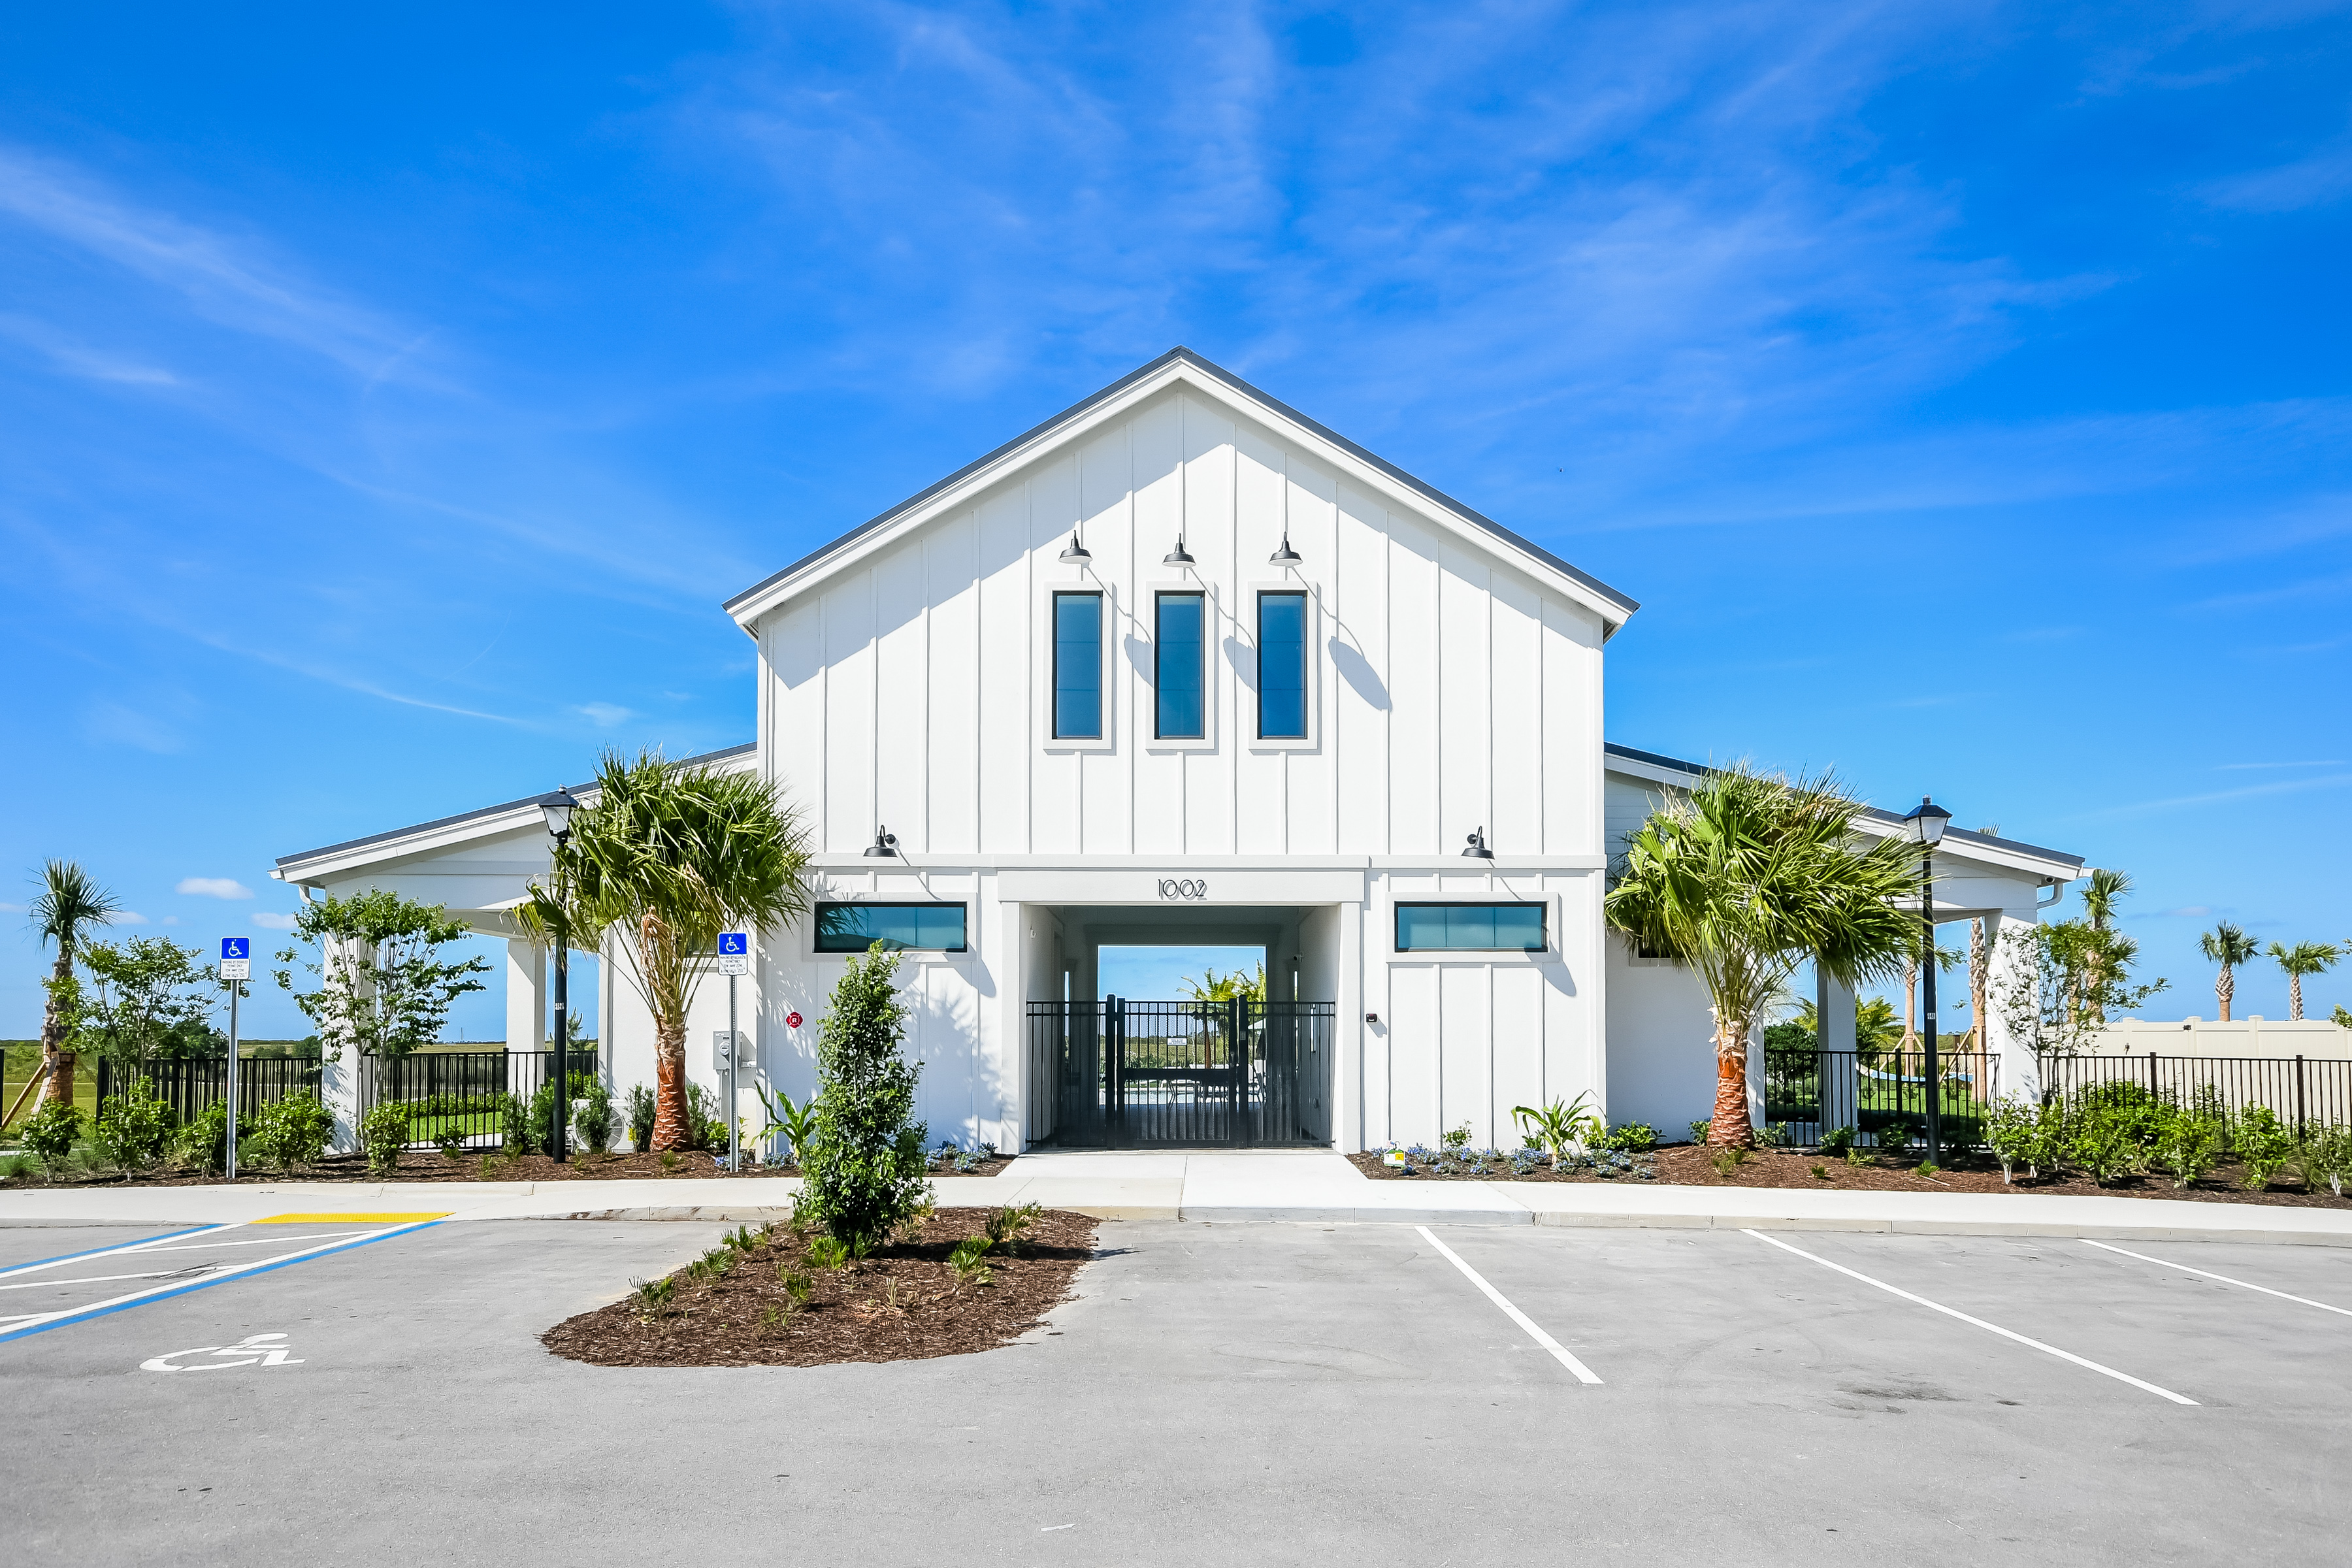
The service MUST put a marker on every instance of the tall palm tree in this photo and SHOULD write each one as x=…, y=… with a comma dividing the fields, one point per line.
x=664, y=859
x=69, y=902
x=2100, y=896
x=1750, y=877
x=2227, y=946
x=2304, y=958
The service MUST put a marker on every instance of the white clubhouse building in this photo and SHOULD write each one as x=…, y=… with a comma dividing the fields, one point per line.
x=1182, y=667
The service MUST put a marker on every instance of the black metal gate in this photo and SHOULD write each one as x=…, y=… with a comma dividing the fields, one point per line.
x=1129, y=1074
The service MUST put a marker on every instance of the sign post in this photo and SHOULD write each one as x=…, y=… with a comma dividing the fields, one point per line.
x=236, y=968
x=734, y=960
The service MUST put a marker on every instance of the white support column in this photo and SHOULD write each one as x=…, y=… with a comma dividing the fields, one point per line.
x=339, y=1068
x=526, y=996
x=1834, y=1005
x=2012, y=985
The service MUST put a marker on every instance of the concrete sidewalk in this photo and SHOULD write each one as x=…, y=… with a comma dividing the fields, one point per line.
x=1309, y=1186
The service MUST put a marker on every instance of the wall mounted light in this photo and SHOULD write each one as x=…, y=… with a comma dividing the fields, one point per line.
x=1076, y=554
x=1286, y=556
x=1180, y=556
x=1478, y=850
x=885, y=843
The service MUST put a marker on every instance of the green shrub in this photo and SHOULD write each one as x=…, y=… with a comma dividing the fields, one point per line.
x=1698, y=1129
x=49, y=1133
x=1836, y=1141
x=969, y=1261
x=1894, y=1138
x=705, y=1128
x=292, y=1131
x=451, y=1140
x=515, y=1128
x=2326, y=1158
x=2188, y=1149
x=383, y=1133
x=593, y=1121
x=2262, y=1143
x=1629, y=1137
x=2104, y=1145
x=2013, y=1134
x=204, y=1138
x=1007, y=1225
x=133, y=1131
x=865, y=1165
x=641, y=1114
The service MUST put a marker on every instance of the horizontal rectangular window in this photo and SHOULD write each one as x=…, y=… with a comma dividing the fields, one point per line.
x=1176, y=667
x=1475, y=928
x=854, y=928
x=1077, y=667
x=1281, y=666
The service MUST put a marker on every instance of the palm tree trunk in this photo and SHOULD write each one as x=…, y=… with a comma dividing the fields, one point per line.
x=2224, y=989
x=1731, y=1126
x=1910, y=1040
x=57, y=1062
x=2295, y=998
x=670, y=1130
x=1980, y=977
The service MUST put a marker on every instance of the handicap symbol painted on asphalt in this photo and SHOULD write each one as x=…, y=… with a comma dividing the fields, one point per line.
x=254, y=1350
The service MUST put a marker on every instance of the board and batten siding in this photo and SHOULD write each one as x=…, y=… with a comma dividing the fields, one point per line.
x=1449, y=691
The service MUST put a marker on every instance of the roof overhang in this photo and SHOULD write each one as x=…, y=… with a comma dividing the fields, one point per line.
x=1182, y=366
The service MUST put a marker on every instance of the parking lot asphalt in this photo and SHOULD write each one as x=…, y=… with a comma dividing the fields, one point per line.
x=1244, y=1393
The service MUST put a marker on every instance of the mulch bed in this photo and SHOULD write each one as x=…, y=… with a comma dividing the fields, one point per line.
x=427, y=1166
x=903, y=1303
x=1687, y=1166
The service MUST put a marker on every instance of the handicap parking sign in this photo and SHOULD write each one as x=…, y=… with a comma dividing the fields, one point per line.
x=734, y=952
x=236, y=959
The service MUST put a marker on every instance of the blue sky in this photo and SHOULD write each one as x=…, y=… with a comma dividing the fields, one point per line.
x=387, y=404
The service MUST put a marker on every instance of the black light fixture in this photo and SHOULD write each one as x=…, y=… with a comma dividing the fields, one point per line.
x=1286, y=556
x=1478, y=850
x=885, y=843
x=1925, y=824
x=1180, y=556
x=558, y=809
x=1076, y=554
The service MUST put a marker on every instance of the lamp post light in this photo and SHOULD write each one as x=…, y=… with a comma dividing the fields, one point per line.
x=1925, y=822
x=557, y=809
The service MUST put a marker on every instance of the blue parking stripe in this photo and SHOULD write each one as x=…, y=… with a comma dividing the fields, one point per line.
x=208, y=1284
x=118, y=1247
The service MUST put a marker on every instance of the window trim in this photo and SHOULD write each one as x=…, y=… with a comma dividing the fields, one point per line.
x=1311, y=636
x=1044, y=653
x=817, y=950
x=1542, y=904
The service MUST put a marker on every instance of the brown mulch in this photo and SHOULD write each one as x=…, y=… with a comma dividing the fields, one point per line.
x=903, y=1303
x=1687, y=1166
x=427, y=1166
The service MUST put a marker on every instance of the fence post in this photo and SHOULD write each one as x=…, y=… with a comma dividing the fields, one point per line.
x=2299, y=1119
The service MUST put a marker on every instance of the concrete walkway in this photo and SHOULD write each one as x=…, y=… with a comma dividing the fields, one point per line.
x=1303, y=1186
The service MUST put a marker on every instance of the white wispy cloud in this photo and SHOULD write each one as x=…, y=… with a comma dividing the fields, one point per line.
x=2249, y=792
x=604, y=715
x=212, y=888
x=2322, y=762
x=270, y=920
x=2190, y=911
x=77, y=359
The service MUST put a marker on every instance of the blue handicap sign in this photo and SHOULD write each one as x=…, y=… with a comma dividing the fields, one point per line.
x=235, y=946
x=733, y=944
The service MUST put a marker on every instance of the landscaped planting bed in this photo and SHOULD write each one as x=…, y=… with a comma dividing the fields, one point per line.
x=471, y=1165
x=787, y=1297
x=1689, y=1165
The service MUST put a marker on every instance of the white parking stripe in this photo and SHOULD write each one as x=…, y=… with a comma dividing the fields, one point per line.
x=105, y=1278
x=1560, y=1351
x=112, y=1251
x=1977, y=1322
x=2224, y=1278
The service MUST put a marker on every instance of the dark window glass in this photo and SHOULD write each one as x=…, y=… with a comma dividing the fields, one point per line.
x=1077, y=667
x=1281, y=666
x=854, y=928
x=1176, y=668
x=1507, y=927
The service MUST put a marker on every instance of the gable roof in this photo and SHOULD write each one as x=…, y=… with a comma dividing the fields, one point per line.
x=1177, y=364
x=2055, y=865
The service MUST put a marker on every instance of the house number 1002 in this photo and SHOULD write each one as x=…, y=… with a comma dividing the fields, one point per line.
x=1183, y=888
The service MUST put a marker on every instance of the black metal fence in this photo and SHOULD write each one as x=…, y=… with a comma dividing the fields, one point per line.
x=1815, y=1092
x=2302, y=1091
x=461, y=1091
x=188, y=1084
x=1125, y=1073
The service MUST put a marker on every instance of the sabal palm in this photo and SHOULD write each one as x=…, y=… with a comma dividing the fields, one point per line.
x=2104, y=890
x=69, y=901
x=2304, y=958
x=665, y=858
x=2227, y=946
x=1750, y=877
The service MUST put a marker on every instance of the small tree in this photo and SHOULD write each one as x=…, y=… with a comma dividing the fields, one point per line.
x=146, y=999
x=2060, y=981
x=2304, y=958
x=384, y=986
x=865, y=1167
x=2229, y=946
x=69, y=901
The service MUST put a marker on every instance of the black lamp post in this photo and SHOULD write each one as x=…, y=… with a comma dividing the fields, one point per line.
x=1926, y=822
x=558, y=808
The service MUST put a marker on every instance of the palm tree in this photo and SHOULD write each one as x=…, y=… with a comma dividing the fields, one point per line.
x=2304, y=958
x=665, y=859
x=1749, y=878
x=2100, y=895
x=2227, y=946
x=69, y=900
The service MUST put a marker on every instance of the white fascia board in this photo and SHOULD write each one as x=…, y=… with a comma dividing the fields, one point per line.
x=750, y=608
x=384, y=854
x=1650, y=773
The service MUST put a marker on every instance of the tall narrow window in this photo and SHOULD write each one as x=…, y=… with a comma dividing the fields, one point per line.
x=1281, y=666
x=1077, y=667
x=1176, y=668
